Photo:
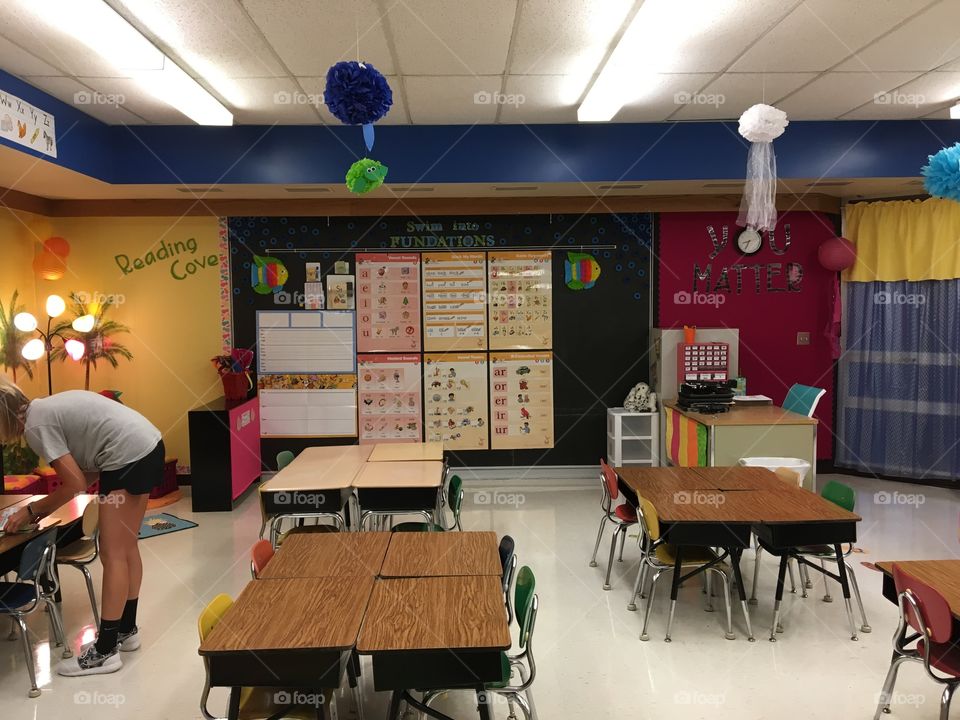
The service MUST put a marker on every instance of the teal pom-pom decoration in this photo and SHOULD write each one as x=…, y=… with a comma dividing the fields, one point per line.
x=366, y=175
x=941, y=174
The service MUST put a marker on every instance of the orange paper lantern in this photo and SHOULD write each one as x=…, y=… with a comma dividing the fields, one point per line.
x=57, y=245
x=49, y=266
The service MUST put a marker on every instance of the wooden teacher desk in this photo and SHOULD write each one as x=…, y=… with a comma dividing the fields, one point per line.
x=756, y=431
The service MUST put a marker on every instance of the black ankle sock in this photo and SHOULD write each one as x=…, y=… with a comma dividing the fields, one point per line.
x=128, y=621
x=107, y=638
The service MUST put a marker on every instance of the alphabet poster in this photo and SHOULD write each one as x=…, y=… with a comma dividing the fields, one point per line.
x=521, y=400
x=389, y=398
x=24, y=124
x=388, y=294
x=520, y=297
x=455, y=392
x=454, y=312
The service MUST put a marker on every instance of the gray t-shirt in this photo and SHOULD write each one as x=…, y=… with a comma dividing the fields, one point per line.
x=100, y=433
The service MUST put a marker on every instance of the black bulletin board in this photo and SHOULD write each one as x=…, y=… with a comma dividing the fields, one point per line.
x=600, y=335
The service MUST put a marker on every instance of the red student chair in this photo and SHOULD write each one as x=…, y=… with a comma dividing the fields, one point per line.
x=622, y=516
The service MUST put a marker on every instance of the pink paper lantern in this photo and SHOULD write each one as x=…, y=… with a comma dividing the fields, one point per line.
x=837, y=254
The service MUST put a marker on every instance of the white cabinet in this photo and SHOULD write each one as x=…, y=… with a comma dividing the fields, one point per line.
x=633, y=438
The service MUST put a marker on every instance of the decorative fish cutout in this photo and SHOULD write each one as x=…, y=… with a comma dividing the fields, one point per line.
x=365, y=175
x=580, y=271
x=267, y=275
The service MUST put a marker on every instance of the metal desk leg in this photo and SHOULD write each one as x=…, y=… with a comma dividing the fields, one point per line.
x=233, y=710
x=674, y=588
x=394, y=709
x=775, y=628
x=845, y=584
x=735, y=553
x=483, y=705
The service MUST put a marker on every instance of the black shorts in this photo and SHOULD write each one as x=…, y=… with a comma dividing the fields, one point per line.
x=139, y=477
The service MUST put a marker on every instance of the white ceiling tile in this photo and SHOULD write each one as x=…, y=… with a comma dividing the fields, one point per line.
x=535, y=99
x=311, y=35
x=313, y=87
x=915, y=99
x=111, y=110
x=729, y=95
x=834, y=94
x=17, y=61
x=924, y=43
x=820, y=33
x=664, y=95
x=460, y=37
x=130, y=95
x=452, y=100
x=275, y=100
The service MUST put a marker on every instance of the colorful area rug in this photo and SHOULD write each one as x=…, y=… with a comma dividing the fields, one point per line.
x=163, y=524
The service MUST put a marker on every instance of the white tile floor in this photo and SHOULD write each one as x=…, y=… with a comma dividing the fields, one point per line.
x=589, y=659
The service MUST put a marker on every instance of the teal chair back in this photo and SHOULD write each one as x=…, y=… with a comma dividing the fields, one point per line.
x=803, y=399
x=456, y=498
x=284, y=458
x=839, y=494
x=35, y=556
x=526, y=588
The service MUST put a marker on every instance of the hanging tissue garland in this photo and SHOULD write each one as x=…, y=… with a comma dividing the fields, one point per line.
x=365, y=175
x=357, y=94
x=941, y=174
x=761, y=125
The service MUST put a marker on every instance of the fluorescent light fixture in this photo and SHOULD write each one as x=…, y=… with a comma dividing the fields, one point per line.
x=653, y=40
x=103, y=30
x=955, y=112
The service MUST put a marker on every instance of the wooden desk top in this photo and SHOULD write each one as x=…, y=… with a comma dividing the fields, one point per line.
x=400, y=474
x=738, y=478
x=942, y=575
x=786, y=503
x=11, y=500
x=435, y=613
x=320, y=468
x=292, y=614
x=750, y=415
x=435, y=554
x=68, y=513
x=710, y=506
x=386, y=452
x=346, y=554
x=643, y=480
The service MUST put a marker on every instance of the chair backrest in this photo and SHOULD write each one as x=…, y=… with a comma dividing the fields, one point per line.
x=934, y=618
x=260, y=554
x=284, y=458
x=36, y=555
x=609, y=477
x=91, y=519
x=523, y=602
x=839, y=494
x=803, y=399
x=507, y=552
x=649, y=520
x=212, y=614
x=456, y=496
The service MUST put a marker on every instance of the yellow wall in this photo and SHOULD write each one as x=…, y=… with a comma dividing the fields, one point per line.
x=174, y=323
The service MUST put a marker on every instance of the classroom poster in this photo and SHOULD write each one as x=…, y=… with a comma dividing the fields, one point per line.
x=521, y=400
x=520, y=298
x=389, y=389
x=455, y=392
x=454, y=311
x=24, y=124
x=388, y=293
x=340, y=292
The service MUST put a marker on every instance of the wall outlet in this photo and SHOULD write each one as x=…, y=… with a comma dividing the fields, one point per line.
x=803, y=338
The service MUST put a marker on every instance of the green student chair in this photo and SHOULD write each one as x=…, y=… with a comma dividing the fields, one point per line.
x=456, y=499
x=284, y=458
x=803, y=399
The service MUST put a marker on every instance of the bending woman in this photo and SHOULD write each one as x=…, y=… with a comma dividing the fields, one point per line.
x=84, y=436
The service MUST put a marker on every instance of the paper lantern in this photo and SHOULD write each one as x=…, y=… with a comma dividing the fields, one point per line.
x=57, y=245
x=49, y=266
x=837, y=254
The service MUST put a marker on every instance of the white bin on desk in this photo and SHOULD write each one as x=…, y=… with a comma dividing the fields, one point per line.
x=801, y=467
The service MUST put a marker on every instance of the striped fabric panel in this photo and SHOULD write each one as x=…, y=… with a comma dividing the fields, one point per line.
x=686, y=441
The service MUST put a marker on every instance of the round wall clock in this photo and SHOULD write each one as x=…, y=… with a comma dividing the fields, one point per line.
x=749, y=241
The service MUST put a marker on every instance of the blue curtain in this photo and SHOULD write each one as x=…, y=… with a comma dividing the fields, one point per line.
x=899, y=402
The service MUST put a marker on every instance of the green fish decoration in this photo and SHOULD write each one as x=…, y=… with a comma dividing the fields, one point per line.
x=580, y=271
x=267, y=275
x=366, y=175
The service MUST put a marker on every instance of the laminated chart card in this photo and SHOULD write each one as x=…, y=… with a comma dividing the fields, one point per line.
x=520, y=294
x=388, y=302
x=454, y=311
x=389, y=388
x=455, y=392
x=521, y=400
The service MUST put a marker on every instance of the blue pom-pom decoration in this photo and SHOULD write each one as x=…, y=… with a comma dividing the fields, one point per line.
x=357, y=93
x=941, y=174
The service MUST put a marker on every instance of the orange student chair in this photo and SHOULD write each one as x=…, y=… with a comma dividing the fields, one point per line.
x=261, y=553
x=622, y=517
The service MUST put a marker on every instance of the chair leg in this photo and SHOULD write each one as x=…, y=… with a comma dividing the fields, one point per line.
x=729, y=635
x=613, y=550
x=708, y=591
x=13, y=630
x=805, y=574
x=646, y=614
x=28, y=655
x=827, y=597
x=56, y=619
x=793, y=583
x=756, y=574
x=638, y=585
x=883, y=706
x=596, y=545
x=945, y=701
x=851, y=576
x=775, y=627
x=93, y=595
x=623, y=540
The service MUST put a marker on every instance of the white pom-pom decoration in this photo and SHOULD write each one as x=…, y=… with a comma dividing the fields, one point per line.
x=763, y=123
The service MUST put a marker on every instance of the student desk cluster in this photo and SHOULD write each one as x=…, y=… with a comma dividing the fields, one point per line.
x=428, y=608
x=368, y=482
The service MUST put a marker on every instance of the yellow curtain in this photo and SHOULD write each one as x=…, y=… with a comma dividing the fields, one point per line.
x=904, y=240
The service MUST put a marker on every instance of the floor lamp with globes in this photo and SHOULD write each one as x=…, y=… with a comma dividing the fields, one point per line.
x=38, y=347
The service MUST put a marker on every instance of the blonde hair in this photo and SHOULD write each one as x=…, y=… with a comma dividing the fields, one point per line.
x=13, y=408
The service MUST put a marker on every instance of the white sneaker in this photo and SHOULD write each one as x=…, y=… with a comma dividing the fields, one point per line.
x=90, y=662
x=129, y=642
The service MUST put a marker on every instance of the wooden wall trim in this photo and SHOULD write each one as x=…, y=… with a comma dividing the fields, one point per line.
x=307, y=207
x=16, y=200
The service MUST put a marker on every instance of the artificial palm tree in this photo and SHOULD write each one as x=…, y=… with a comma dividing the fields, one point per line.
x=98, y=344
x=11, y=339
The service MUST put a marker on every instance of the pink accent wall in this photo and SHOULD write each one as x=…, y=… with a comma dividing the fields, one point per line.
x=768, y=320
x=244, y=445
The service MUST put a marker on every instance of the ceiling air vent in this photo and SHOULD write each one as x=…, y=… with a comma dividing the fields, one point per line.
x=415, y=188
x=734, y=185
x=307, y=189
x=196, y=190
x=515, y=188
x=619, y=187
x=830, y=183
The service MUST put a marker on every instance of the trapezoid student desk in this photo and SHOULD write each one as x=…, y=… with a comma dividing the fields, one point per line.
x=403, y=487
x=754, y=431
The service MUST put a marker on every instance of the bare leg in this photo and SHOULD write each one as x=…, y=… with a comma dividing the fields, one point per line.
x=121, y=515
